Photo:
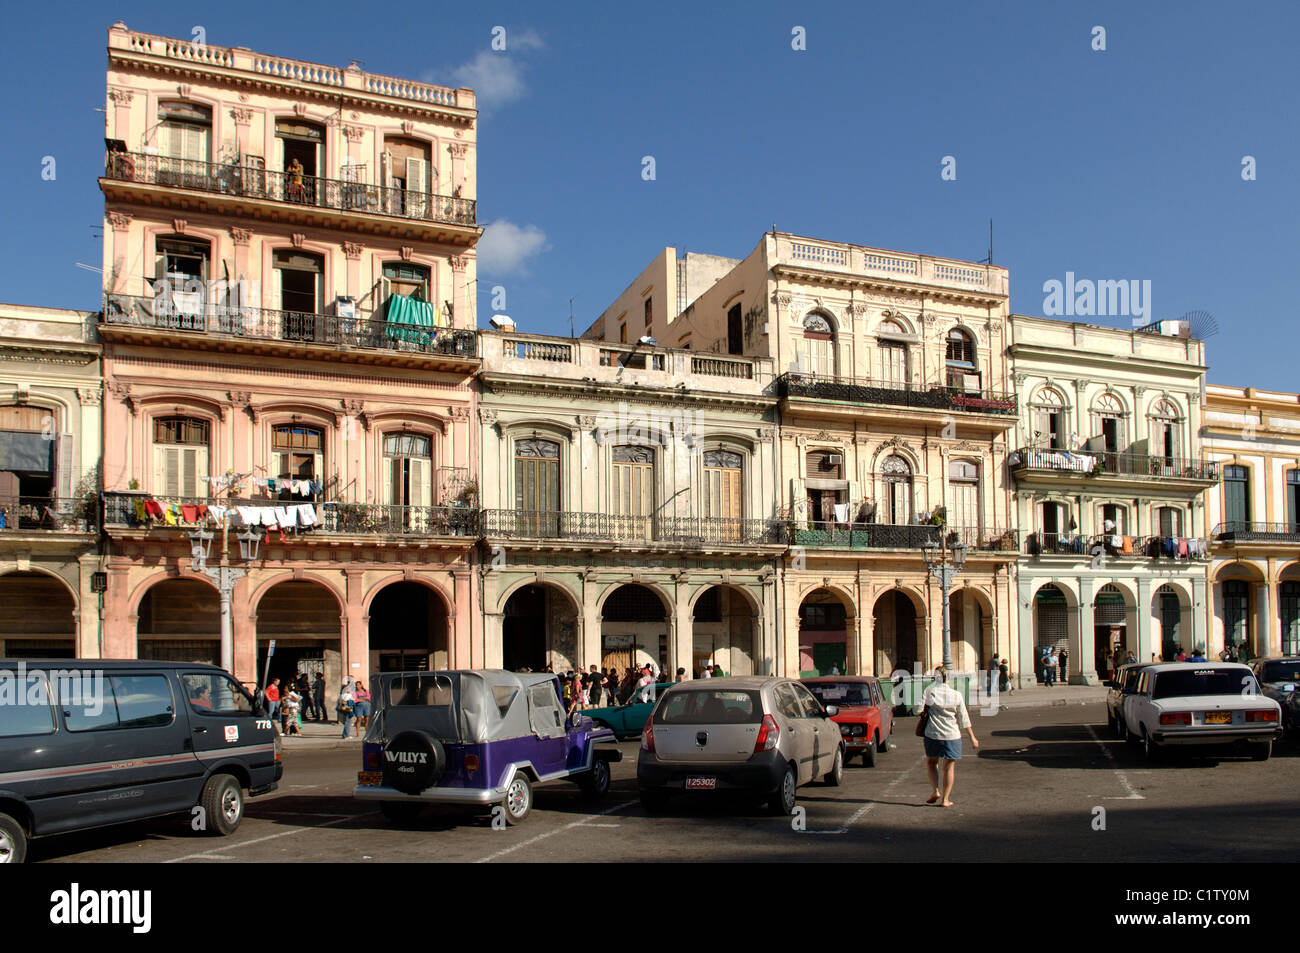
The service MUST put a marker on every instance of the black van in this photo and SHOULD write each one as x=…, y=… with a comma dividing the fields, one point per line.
x=90, y=742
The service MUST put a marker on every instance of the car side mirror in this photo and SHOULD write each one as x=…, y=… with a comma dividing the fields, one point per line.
x=832, y=711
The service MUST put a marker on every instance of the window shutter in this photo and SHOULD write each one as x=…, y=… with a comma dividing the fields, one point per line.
x=392, y=488
x=417, y=175
x=420, y=478
x=799, y=499
x=63, y=464
x=854, y=499
x=172, y=476
x=189, y=473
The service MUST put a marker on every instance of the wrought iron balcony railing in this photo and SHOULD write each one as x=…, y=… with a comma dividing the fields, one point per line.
x=858, y=390
x=371, y=519
x=1109, y=463
x=252, y=181
x=613, y=527
x=903, y=536
x=1243, y=531
x=189, y=312
x=1117, y=546
x=49, y=514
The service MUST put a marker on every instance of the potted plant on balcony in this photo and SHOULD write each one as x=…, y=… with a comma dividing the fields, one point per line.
x=939, y=516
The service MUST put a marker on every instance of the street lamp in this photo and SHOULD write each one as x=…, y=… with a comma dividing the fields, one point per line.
x=945, y=564
x=225, y=576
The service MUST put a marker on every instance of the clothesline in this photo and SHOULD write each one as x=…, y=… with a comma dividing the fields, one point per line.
x=288, y=516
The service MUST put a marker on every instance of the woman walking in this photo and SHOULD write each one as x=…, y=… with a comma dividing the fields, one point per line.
x=945, y=713
x=345, y=707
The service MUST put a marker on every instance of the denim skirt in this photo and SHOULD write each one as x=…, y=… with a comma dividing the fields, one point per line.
x=934, y=748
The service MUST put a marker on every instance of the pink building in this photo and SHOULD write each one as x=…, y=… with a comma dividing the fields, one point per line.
x=289, y=273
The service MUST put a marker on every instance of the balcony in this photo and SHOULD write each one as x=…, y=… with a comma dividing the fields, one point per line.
x=855, y=390
x=907, y=536
x=1126, y=466
x=250, y=180
x=180, y=316
x=354, y=519
x=44, y=514
x=1112, y=546
x=1238, y=531
x=864, y=263
x=612, y=527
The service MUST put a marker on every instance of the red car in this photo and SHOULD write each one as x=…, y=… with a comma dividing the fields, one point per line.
x=865, y=716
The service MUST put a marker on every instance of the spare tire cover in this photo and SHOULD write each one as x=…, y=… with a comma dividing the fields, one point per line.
x=413, y=761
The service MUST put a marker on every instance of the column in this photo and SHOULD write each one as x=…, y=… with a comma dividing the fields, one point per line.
x=88, y=634
x=353, y=639
x=1264, y=621
x=1087, y=627
x=588, y=641
x=682, y=647
x=1023, y=667
x=1143, y=614
x=119, y=620
x=243, y=627
x=492, y=649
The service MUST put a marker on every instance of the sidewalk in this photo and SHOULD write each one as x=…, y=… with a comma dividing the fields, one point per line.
x=316, y=734
x=1035, y=696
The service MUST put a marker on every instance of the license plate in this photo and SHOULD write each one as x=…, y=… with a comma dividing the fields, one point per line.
x=701, y=784
x=1218, y=717
x=370, y=778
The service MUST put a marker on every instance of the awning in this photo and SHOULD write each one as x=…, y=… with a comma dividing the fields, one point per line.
x=26, y=452
x=408, y=319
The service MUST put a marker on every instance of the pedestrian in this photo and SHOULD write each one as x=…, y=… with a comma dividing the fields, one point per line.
x=947, y=716
x=1130, y=658
x=576, y=700
x=595, y=687
x=273, y=699
x=1004, y=677
x=1049, y=668
x=1243, y=652
x=302, y=687
x=1063, y=662
x=707, y=671
x=290, y=712
x=318, y=696
x=345, y=707
x=361, y=706
x=681, y=676
x=1198, y=655
x=645, y=685
x=718, y=672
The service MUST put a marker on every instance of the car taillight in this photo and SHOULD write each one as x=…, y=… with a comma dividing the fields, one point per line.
x=768, y=735
x=471, y=762
x=1269, y=715
x=277, y=747
x=1176, y=718
x=648, y=735
x=371, y=759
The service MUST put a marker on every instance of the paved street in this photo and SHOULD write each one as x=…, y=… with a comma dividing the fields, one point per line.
x=1030, y=795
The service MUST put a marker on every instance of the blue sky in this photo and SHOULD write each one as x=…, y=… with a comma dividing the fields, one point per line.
x=1122, y=164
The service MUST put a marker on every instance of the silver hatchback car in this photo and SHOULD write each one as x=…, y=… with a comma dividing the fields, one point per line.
x=759, y=734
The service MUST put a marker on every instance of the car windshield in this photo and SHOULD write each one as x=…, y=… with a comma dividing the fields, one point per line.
x=1202, y=681
x=1288, y=671
x=709, y=707
x=843, y=694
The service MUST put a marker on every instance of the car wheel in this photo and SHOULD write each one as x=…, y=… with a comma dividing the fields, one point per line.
x=835, y=776
x=518, y=800
x=1260, y=751
x=882, y=744
x=13, y=841
x=595, y=783
x=401, y=812
x=654, y=800
x=869, y=756
x=223, y=805
x=1150, y=748
x=781, y=801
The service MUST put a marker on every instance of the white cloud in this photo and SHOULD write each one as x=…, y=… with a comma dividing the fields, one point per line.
x=505, y=247
x=497, y=76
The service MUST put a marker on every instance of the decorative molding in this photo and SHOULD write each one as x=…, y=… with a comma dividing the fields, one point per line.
x=122, y=97
x=782, y=298
x=408, y=127
x=487, y=415
x=300, y=109
x=1019, y=379
x=241, y=115
x=240, y=399
x=407, y=251
x=240, y=236
x=459, y=263
x=119, y=220
x=353, y=406
x=353, y=133
x=587, y=421
x=183, y=90
x=179, y=225
x=765, y=434
x=459, y=411
x=297, y=238
x=995, y=326
x=89, y=396
x=353, y=250
x=458, y=149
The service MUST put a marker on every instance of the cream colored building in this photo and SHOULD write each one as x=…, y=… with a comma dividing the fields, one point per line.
x=1109, y=484
x=894, y=403
x=50, y=390
x=629, y=507
x=1254, y=519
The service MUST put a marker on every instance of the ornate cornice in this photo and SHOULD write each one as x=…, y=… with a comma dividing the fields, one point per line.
x=51, y=354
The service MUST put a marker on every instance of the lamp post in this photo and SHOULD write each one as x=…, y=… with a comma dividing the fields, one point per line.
x=225, y=576
x=945, y=565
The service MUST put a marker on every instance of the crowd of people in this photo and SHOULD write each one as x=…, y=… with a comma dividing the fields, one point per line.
x=301, y=698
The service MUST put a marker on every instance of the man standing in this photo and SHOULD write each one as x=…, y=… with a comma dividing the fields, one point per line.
x=1064, y=660
x=273, y=699
x=303, y=687
x=318, y=696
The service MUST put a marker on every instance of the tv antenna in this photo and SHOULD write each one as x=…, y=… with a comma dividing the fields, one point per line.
x=989, y=259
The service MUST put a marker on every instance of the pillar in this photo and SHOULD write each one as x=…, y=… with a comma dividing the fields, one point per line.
x=243, y=628
x=1264, y=621
x=353, y=640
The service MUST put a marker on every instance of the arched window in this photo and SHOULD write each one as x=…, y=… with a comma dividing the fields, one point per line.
x=893, y=353
x=817, y=354
x=963, y=372
x=1048, y=421
x=408, y=469
x=632, y=491
x=180, y=456
x=896, y=475
x=964, y=494
x=1108, y=421
x=724, y=484
x=1165, y=436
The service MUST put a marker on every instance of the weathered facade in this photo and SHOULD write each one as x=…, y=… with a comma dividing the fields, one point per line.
x=629, y=507
x=288, y=258
x=1109, y=482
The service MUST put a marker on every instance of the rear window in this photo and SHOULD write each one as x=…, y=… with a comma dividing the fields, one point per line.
x=706, y=707
x=25, y=707
x=426, y=690
x=1280, y=671
x=843, y=694
x=1204, y=681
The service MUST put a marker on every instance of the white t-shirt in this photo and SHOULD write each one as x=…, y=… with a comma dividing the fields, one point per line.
x=948, y=715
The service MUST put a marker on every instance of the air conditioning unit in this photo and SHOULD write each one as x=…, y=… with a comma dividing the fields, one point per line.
x=345, y=307
x=834, y=459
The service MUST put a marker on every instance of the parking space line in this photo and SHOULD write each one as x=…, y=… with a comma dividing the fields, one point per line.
x=558, y=830
x=866, y=808
x=205, y=855
x=1123, y=778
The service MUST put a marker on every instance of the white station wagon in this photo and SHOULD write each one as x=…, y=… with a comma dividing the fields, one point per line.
x=1200, y=703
